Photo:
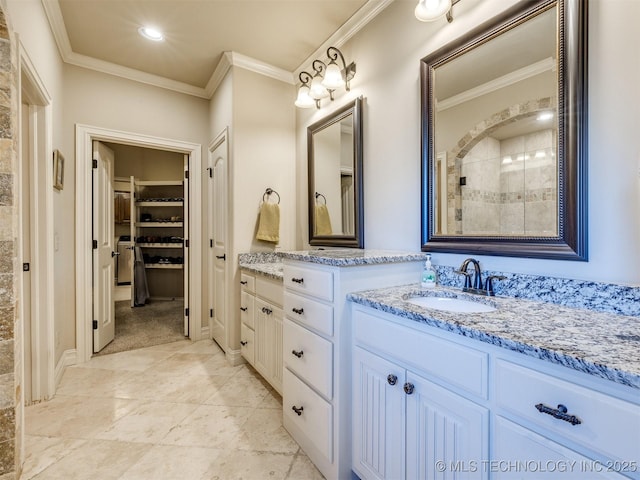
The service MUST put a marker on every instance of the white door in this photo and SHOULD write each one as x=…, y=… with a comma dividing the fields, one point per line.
x=104, y=249
x=218, y=241
x=25, y=199
x=133, y=220
x=185, y=235
x=378, y=417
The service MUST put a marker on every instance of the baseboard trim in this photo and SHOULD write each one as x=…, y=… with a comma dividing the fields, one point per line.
x=68, y=357
x=235, y=358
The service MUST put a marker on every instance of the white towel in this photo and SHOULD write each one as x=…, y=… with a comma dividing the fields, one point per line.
x=322, y=221
x=269, y=224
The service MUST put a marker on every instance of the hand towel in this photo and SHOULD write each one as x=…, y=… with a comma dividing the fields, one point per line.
x=269, y=224
x=322, y=220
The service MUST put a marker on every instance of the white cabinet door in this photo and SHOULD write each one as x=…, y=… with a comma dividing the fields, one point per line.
x=378, y=417
x=268, y=342
x=520, y=453
x=447, y=435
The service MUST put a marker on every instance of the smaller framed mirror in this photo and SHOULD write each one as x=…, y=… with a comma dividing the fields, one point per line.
x=334, y=149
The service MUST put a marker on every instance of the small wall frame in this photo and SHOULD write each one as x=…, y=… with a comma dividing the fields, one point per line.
x=58, y=170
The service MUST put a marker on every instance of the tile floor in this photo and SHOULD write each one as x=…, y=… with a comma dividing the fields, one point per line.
x=174, y=411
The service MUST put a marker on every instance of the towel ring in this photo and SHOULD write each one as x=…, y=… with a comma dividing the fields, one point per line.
x=269, y=191
x=323, y=197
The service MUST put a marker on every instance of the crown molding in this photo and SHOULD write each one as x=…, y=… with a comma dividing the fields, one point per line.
x=357, y=22
x=235, y=59
x=548, y=64
x=54, y=15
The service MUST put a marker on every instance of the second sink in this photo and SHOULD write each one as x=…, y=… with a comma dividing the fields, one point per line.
x=448, y=304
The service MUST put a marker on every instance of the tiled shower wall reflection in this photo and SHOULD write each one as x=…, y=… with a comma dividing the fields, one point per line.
x=510, y=187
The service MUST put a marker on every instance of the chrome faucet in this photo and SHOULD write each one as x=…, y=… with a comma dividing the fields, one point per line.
x=478, y=287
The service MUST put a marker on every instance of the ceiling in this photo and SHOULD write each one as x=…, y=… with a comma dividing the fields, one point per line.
x=270, y=36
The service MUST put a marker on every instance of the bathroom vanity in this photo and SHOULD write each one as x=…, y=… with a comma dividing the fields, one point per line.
x=317, y=344
x=261, y=315
x=529, y=390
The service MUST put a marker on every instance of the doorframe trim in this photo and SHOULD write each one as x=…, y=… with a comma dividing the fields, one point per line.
x=42, y=233
x=85, y=135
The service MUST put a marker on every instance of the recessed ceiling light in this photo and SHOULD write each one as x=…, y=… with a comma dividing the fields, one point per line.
x=151, y=33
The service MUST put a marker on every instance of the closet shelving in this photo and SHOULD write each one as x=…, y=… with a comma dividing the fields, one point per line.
x=159, y=227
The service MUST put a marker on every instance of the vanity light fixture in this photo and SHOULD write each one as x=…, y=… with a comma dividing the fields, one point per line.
x=326, y=79
x=430, y=10
x=151, y=33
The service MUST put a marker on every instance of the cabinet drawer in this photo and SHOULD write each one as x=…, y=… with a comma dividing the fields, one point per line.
x=247, y=307
x=317, y=283
x=515, y=446
x=247, y=343
x=316, y=417
x=269, y=289
x=310, y=356
x=457, y=365
x=247, y=282
x=609, y=425
x=315, y=315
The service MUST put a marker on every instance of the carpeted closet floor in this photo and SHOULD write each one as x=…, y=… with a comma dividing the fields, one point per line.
x=158, y=322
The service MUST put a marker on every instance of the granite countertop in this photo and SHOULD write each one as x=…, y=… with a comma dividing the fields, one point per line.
x=603, y=344
x=353, y=256
x=262, y=263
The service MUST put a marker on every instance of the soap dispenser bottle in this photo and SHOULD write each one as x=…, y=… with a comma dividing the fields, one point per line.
x=429, y=275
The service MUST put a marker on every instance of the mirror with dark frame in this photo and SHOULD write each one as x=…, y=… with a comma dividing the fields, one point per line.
x=504, y=152
x=334, y=149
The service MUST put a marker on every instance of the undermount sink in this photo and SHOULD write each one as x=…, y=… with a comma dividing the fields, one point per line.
x=448, y=304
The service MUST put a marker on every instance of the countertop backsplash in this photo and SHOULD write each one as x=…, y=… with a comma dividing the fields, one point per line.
x=602, y=297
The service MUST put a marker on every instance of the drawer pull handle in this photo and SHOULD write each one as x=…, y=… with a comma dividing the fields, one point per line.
x=408, y=388
x=244, y=309
x=299, y=311
x=298, y=354
x=243, y=343
x=392, y=379
x=243, y=282
x=266, y=310
x=560, y=413
x=297, y=280
x=297, y=410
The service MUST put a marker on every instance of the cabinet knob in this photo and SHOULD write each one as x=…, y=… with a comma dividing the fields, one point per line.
x=297, y=353
x=299, y=311
x=243, y=343
x=243, y=282
x=408, y=388
x=297, y=410
x=244, y=309
x=392, y=379
x=297, y=280
x=560, y=413
x=266, y=310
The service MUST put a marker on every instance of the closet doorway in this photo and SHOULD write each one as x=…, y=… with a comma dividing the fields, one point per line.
x=186, y=160
x=149, y=233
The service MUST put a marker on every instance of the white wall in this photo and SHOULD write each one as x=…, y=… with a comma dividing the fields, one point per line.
x=388, y=53
x=28, y=20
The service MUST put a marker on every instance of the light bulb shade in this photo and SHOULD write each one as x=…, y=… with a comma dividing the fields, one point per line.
x=304, y=100
x=317, y=91
x=429, y=10
x=333, y=77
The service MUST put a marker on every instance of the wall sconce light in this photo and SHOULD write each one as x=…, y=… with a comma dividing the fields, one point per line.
x=327, y=78
x=430, y=10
